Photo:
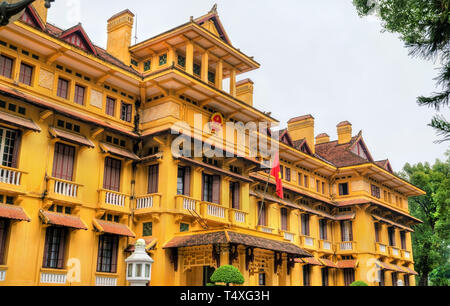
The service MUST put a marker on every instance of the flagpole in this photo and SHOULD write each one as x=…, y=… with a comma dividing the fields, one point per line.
x=264, y=198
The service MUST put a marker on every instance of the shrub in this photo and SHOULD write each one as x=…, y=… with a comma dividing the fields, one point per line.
x=228, y=275
x=359, y=284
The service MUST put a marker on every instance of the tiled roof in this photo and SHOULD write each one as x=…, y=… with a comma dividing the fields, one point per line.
x=13, y=212
x=311, y=261
x=409, y=271
x=328, y=263
x=62, y=220
x=118, y=151
x=345, y=217
x=113, y=228
x=19, y=122
x=339, y=154
x=196, y=240
x=71, y=137
x=347, y=264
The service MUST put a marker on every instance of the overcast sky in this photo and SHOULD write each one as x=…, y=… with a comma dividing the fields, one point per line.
x=317, y=57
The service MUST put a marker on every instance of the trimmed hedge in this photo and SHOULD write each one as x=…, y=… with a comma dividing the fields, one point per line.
x=228, y=275
x=359, y=284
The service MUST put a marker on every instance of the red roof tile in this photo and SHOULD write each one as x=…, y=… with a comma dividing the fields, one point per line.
x=347, y=264
x=118, y=151
x=19, y=122
x=345, y=217
x=311, y=261
x=409, y=271
x=113, y=228
x=328, y=263
x=62, y=220
x=13, y=212
x=71, y=137
x=344, y=123
x=300, y=118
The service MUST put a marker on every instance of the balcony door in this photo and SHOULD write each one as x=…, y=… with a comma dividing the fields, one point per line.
x=63, y=162
x=9, y=147
x=347, y=231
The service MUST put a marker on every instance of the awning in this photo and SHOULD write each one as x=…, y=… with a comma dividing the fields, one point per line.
x=106, y=227
x=19, y=122
x=224, y=237
x=328, y=263
x=398, y=268
x=345, y=217
x=13, y=212
x=406, y=228
x=347, y=264
x=57, y=219
x=309, y=261
x=215, y=169
x=71, y=137
x=387, y=266
x=150, y=244
x=107, y=148
x=409, y=271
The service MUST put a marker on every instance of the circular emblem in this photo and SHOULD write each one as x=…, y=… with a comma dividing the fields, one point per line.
x=216, y=122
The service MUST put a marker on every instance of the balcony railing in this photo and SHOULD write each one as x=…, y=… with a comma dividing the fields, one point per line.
x=265, y=229
x=56, y=278
x=186, y=204
x=288, y=236
x=2, y=276
x=214, y=212
x=347, y=246
x=238, y=217
x=394, y=251
x=326, y=245
x=115, y=201
x=10, y=176
x=104, y=281
x=406, y=255
x=381, y=248
x=307, y=241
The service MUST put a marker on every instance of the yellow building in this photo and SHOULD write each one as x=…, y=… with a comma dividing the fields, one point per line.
x=88, y=168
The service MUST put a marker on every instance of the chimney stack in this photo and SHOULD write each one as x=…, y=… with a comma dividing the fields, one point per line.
x=39, y=6
x=322, y=138
x=302, y=128
x=344, y=130
x=120, y=32
x=244, y=91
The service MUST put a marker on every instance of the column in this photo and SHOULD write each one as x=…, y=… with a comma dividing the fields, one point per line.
x=171, y=56
x=233, y=82
x=205, y=66
x=190, y=57
x=219, y=75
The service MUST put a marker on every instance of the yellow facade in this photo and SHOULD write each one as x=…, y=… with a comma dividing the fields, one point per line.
x=176, y=76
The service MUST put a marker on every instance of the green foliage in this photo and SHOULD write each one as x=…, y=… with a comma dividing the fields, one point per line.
x=424, y=26
x=431, y=240
x=228, y=275
x=359, y=284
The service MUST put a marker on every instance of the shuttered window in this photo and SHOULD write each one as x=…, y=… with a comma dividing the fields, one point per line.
x=377, y=232
x=391, y=233
x=407, y=284
x=79, y=94
x=111, y=180
x=63, y=88
x=394, y=279
x=346, y=231
x=306, y=275
x=288, y=174
x=382, y=278
x=211, y=188
x=63, y=162
x=235, y=195
x=4, y=226
x=323, y=226
x=26, y=74
x=9, y=147
x=403, y=240
x=6, y=64
x=54, y=249
x=184, y=181
x=125, y=112
x=284, y=219
x=305, y=224
x=108, y=246
x=262, y=214
x=153, y=177
x=349, y=276
x=325, y=277
x=110, y=106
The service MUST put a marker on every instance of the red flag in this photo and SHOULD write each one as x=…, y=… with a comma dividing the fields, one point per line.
x=276, y=172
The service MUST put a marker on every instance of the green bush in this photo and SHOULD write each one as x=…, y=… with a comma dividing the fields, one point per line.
x=228, y=275
x=359, y=284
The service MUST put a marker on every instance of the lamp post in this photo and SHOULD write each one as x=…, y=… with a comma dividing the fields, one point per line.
x=11, y=10
x=139, y=266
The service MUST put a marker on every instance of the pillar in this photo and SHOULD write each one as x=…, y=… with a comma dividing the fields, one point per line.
x=219, y=74
x=190, y=57
x=233, y=82
x=205, y=67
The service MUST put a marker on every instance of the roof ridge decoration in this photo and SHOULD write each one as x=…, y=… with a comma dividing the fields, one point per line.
x=79, y=30
x=213, y=16
x=30, y=11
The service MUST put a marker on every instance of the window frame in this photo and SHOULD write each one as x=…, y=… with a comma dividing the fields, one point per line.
x=26, y=69
x=4, y=59
x=112, y=256
x=55, y=251
x=77, y=95
x=110, y=106
x=59, y=90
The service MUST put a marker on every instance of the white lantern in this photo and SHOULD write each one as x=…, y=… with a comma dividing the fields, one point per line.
x=139, y=265
x=400, y=283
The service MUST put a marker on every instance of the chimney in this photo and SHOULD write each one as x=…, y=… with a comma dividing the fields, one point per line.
x=302, y=128
x=344, y=130
x=244, y=91
x=322, y=138
x=120, y=31
x=39, y=6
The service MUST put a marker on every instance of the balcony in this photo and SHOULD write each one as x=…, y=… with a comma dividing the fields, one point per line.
x=265, y=229
x=406, y=255
x=214, y=212
x=11, y=180
x=238, y=217
x=394, y=252
x=288, y=236
x=64, y=191
x=53, y=277
x=307, y=242
x=381, y=249
x=105, y=281
x=2, y=275
x=346, y=247
x=325, y=246
x=147, y=204
x=186, y=205
x=114, y=201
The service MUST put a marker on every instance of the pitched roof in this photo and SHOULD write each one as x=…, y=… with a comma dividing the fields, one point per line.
x=214, y=17
x=106, y=227
x=385, y=164
x=13, y=212
x=78, y=30
x=347, y=264
x=62, y=220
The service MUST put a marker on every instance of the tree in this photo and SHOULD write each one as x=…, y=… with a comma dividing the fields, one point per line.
x=228, y=275
x=431, y=240
x=424, y=26
x=359, y=284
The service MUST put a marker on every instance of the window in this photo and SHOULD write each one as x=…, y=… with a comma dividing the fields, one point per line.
x=407, y=284
x=153, y=177
x=394, y=279
x=197, y=69
x=147, y=229
x=377, y=232
x=147, y=65
x=284, y=219
x=107, y=253
x=235, y=195
x=262, y=279
x=6, y=64
x=163, y=59
x=382, y=278
x=181, y=61
x=343, y=189
x=323, y=226
x=346, y=231
x=300, y=179
x=391, y=233
x=63, y=162
x=110, y=106
x=282, y=172
x=306, y=181
x=307, y=275
x=211, y=188
x=403, y=240
x=305, y=224
x=63, y=88
x=376, y=191
x=26, y=74
x=323, y=188
x=288, y=174
x=125, y=112
x=349, y=276
x=262, y=214
x=184, y=181
x=4, y=226
x=79, y=94
x=111, y=180
x=54, y=249
x=211, y=77
x=325, y=277
x=9, y=147
x=184, y=227
x=318, y=186
x=207, y=274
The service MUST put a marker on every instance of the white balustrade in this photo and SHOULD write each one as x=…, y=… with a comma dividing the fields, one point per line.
x=266, y=230
x=145, y=202
x=53, y=278
x=66, y=189
x=289, y=236
x=239, y=216
x=382, y=248
x=2, y=276
x=10, y=177
x=327, y=245
x=309, y=241
x=115, y=199
x=103, y=281
x=407, y=255
x=189, y=204
x=346, y=246
x=216, y=211
x=395, y=252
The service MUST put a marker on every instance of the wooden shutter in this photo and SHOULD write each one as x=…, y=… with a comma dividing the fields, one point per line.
x=204, y=187
x=16, y=151
x=100, y=253
x=323, y=229
x=63, y=162
x=6, y=66
x=403, y=240
x=262, y=218
x=4, y=224
x=349, y=276
x=115, y=247
x=153, y=177
x=187, y=181
x=111, y=179
x=350, y=230
x=236, y=195
x=284, y=215
x=377, y=232
x=216, y=189
x=61, y=232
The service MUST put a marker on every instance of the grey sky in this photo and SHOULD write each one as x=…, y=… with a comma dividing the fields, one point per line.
x=317, y=57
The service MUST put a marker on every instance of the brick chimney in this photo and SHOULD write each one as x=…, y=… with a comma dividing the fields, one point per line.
x=344, y=130
x=39, y=6
x=322, y=138
x=302, y=128
x=244, y=91
x=120, y=31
